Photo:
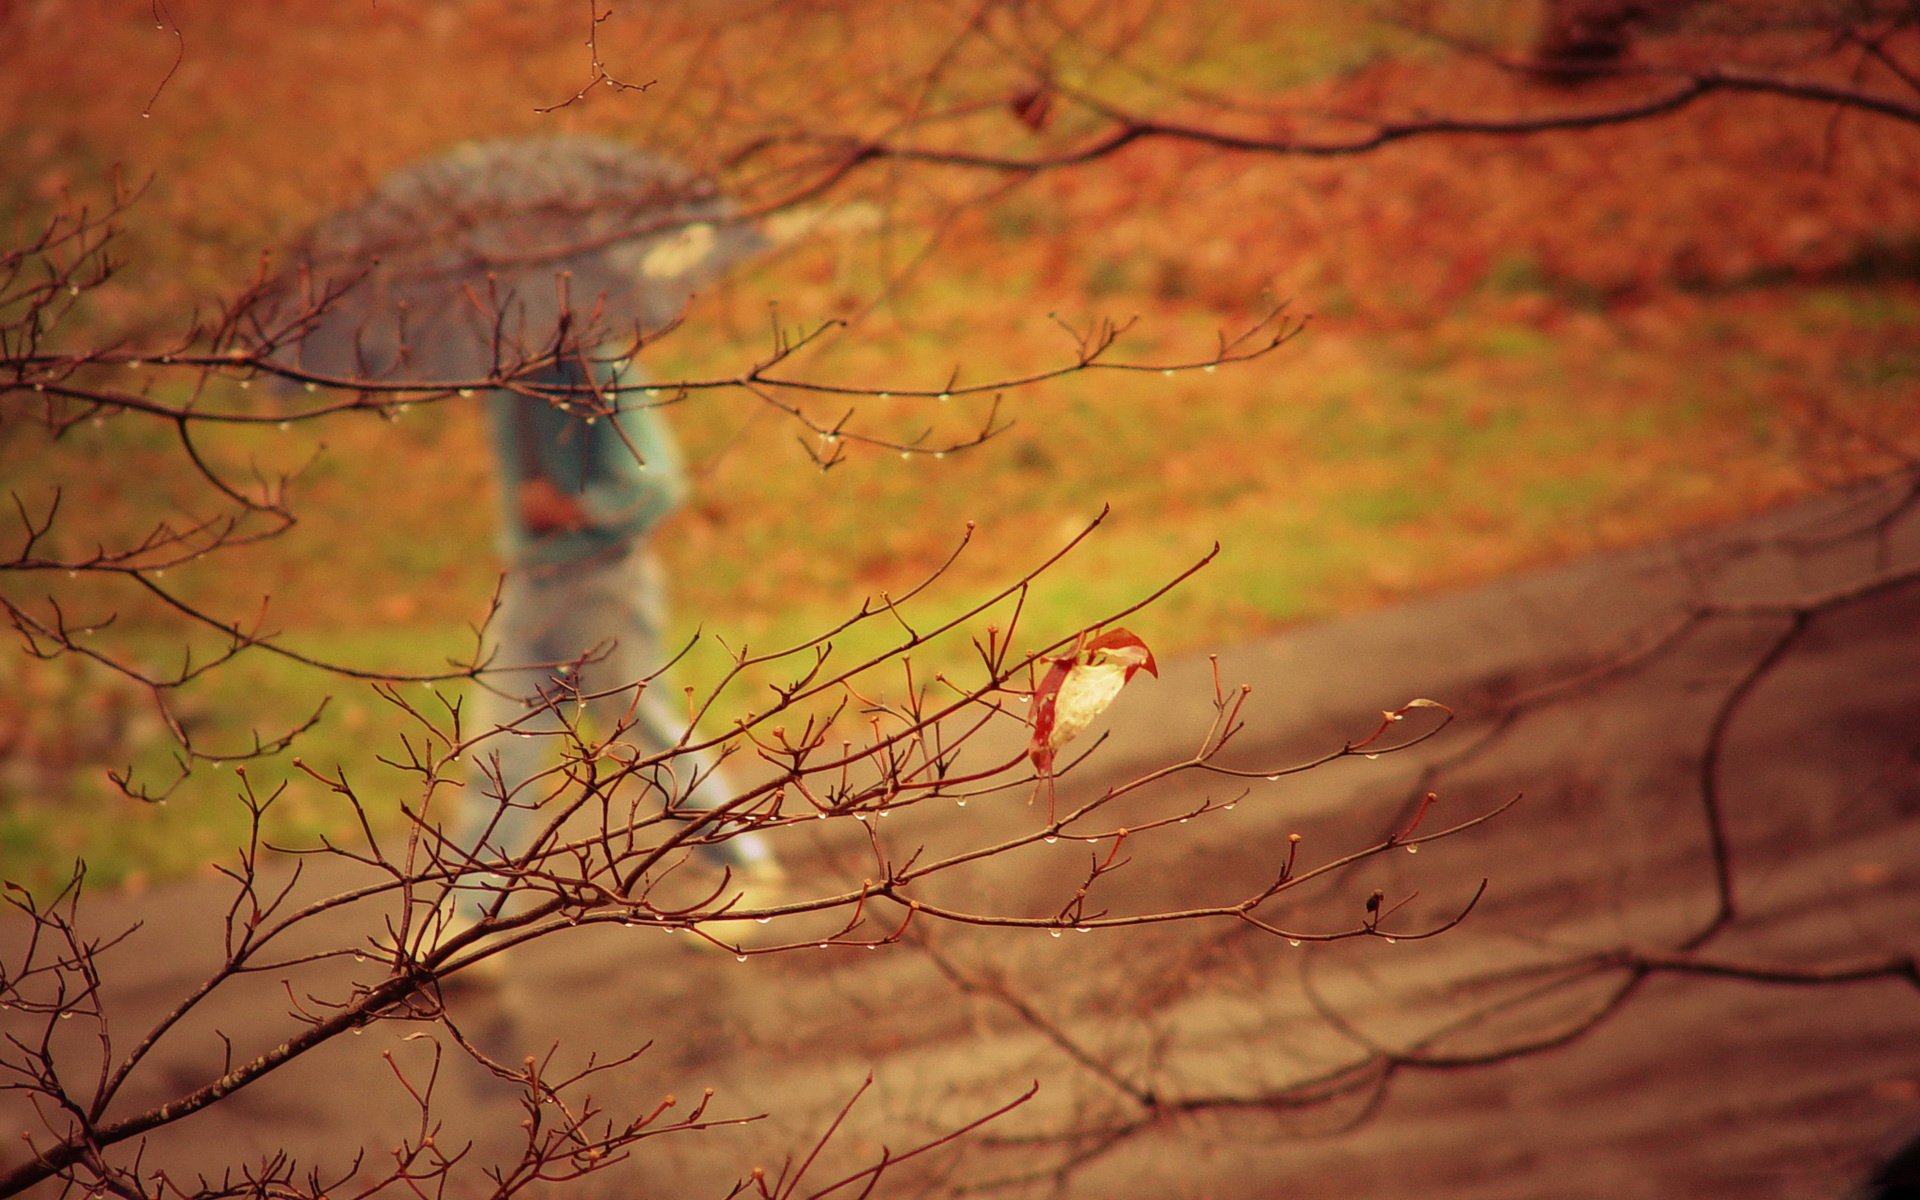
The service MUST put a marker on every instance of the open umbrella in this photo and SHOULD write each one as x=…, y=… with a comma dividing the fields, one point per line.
x=475, y=258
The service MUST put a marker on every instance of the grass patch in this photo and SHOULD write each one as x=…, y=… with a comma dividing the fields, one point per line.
x=58, y=803
x=1506, y=370
x=1498, y=341
x=1344, y=473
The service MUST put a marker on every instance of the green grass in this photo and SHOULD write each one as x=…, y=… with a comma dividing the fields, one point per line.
x=1407, y=443
x=71, y=809
x=1344, y=472
x=1496, y=341
x=1822, y=307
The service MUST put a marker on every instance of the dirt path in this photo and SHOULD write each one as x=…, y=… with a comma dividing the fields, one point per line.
x=1700, y=1086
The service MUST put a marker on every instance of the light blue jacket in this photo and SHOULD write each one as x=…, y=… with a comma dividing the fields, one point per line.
x=625, y=469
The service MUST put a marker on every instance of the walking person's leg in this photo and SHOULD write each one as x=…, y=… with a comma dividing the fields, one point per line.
x=582, y=630
x=519, y=722
x=632, y=602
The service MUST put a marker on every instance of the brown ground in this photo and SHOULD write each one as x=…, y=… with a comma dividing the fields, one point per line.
x=1700, y=1087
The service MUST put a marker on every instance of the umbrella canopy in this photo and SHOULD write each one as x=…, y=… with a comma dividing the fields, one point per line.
x=474, y=258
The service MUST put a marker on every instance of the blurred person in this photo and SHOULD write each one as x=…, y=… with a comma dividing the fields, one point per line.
x=581, y=620
x=442, y=272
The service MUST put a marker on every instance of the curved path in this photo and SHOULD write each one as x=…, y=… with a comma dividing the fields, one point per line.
x=1191, y=1050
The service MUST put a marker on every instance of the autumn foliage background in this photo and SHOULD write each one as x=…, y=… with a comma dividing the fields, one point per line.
x=1519, y=351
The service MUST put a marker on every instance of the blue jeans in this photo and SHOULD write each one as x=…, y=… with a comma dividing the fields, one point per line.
x=528, y=709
